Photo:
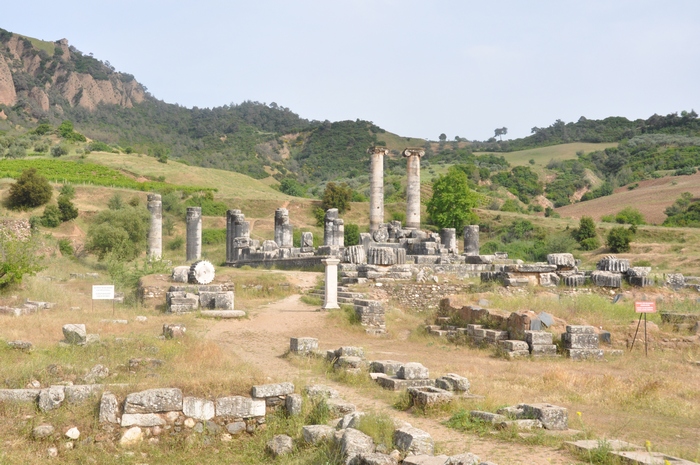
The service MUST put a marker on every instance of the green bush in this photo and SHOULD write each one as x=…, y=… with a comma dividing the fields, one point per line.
x=511, y=205
x=51, y=217
x=591, y=243
x=292, y=187
x=18, y=258
x=629, y=215
x=120, y=233
x=115, y=202
x=619, y=239
x=67, y=209
x=586, y=229
x=209, y=206
x=65, y=247
x=213, y=236
x=30, y=190
x=59, y=150
x=352, y=234
x=337, y=196
x=176, y=244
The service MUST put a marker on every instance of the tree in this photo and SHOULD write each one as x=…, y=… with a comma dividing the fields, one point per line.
x=59, y=150
x=67, y=209
x=120, y=233
x=619, y=239
x=17, y=258
x=586, y=234
x=51, y=217
x=292, y=187
x=337, y=196
x=443, y=137
x=31, y=190
x=351, y=235
x=452, y=201
x=500, y=132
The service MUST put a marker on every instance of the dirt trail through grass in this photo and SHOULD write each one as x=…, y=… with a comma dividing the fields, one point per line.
x=263, y=338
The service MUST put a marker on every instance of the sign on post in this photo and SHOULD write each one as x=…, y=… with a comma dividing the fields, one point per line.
x=645, y=307
x=103, y=292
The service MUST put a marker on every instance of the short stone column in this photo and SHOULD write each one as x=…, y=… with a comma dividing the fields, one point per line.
x=448, y=237
x=334, y=229
x=155, y=231
x=194, y=233
x=471, y=239
x=331, y=293
x=283, y=230
x=376, y=187
x=413, y=156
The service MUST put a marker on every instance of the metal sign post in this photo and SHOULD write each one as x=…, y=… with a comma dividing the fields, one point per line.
x=103, y=292
x=643, y=307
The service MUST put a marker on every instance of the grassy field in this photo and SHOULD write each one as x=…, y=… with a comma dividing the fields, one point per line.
x=543, y=155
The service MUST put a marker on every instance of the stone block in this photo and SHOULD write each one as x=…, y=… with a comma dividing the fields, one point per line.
x=313, y=434
x=271, y=390
x=425, y=459
x=79, y=393
x=518, y=353
x=561, y=260
x=511, y=345
x=173, y=331
x=222, y=314
x=516, y=282
x=552, y=417
x=428, y=396
x=180, y=274
x=580, y=341
x=339, y=407
x=303, y=345
x=531, y=268
x=51, y=398
x=353, y=444
x=141, y=419
x=574, y=280
x=488, y=417
x=453, y=382
x=293, y=403
x=543, y=350
x=584, y=354
x=348, y=362
x=350, y=351
x=75, y=334
x=524, y=424
x=606, y=279
x=197, y=408
x=280, y=444
x=25, y=346
x=538, y=337
x=239, y=407
x=610, y=263
x=317, y=391
x=494, y=335
x=413, y=441
x=641, y=281
x=396, y=384
x=413, y=370
x=153, y=401
x=377, y=458
x=109, y=408
x=466, y=459
x=19, y=395
x=580, y=329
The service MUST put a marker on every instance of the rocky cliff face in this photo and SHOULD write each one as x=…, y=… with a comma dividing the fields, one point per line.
x=44, y=80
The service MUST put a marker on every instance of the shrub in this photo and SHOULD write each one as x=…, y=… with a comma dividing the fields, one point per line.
x=59, y=150
x=51, y=217
x=320, y=215
x=629, y=215
x=209, y=206
x=30, y=190
x=121, y=233
x=213, y=236
x=292, y=187
x=18, y=258
x=115, y=202
x=511, y=205
x=65, y=247
x=67, y=191
x=67, y=209
x=586, y=229
x=337, y=196
x=352, y=234
x=619, y=239
x=176, y=244
x=16, y=151
x=591, y=243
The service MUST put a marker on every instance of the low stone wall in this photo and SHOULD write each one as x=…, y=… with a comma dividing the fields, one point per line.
x=515, y=323
x=283, y=263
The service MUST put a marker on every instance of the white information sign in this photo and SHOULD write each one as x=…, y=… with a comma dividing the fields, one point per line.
x=103, y=292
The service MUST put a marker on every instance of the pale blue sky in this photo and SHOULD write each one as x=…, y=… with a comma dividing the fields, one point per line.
x=416, y=68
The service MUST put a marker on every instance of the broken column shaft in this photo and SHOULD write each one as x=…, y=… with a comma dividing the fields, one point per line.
x=155, y=231
x=194, y=233
x=413, y=157
x=283, y=230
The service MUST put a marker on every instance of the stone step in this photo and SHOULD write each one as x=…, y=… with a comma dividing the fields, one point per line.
x=226, y=314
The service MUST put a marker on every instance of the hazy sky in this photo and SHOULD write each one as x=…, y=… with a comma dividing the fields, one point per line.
x=416, y=68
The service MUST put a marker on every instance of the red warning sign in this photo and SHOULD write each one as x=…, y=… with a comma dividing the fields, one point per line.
x=645, y=307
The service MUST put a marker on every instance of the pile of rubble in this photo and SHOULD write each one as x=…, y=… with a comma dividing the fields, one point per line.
x=27, y=308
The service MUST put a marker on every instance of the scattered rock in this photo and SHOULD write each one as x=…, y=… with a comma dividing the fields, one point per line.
x=73, y=433
x=131, y=437
x=43, y=431
x=51, y=398
x=414, y=441
x=314, y=434
x=109, y=408
x=355, y=443
x=75, y=334
x=280, y=444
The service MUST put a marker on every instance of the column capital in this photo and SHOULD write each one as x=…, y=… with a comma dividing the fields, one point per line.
x=413, y=151
x=378, y=150
x=330, y=261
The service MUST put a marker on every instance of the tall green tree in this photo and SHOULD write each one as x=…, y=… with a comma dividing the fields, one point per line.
x=452, y=201
x=337, y=196
x=30, y=190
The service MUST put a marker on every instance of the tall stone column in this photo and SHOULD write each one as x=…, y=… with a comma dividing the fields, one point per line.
x=283, y=230
x=331, y=293
x=155, y=231
x=194, y=233
x=376, y=187
x=413, y=157
x=471, y=239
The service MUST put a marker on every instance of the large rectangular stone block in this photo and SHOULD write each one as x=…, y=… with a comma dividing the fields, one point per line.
x=303, y=345
x=580, y=341
x=584, y=354
x=153, y=401
x=580, y=329
x=538, y=337
x=543, y=350
x=413, y=370
x=552, y=417
x=396, y=384
x=270, y=390
x=239, y=407
x=388, y=367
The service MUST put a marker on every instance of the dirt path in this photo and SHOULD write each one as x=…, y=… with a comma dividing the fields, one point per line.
x=263, y=338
